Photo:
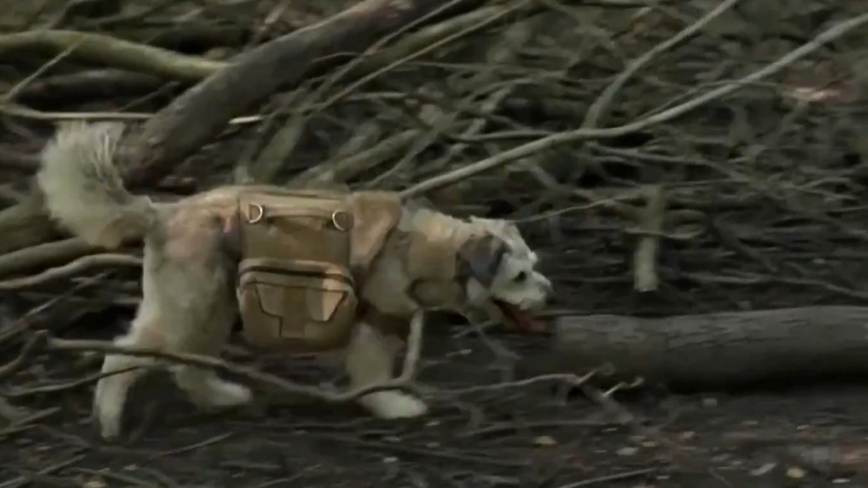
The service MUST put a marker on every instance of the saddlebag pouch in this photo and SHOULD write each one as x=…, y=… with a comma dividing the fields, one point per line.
x=295, y=288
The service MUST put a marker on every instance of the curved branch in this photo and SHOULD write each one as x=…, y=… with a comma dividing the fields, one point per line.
x=113, y=52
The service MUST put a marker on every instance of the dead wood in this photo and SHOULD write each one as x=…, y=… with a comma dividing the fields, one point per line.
x=112, y=52
x=201, y=113
x=721, y=350
x=341, y=169
x=87, y=84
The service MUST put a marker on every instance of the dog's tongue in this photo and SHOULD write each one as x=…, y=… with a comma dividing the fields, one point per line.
x=512, y=315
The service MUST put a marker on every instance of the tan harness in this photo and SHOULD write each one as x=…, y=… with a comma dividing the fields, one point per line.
x=304, y=255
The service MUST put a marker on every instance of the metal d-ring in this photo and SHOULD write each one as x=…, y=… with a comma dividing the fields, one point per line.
x=260, y=213
x=335, y=221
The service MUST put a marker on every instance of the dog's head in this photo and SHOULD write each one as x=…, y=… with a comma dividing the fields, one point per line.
x=501, y=272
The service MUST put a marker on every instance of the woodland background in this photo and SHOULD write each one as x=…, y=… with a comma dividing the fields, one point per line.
x=690, y=171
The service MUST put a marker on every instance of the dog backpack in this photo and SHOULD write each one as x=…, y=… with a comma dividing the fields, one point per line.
x=301, y=254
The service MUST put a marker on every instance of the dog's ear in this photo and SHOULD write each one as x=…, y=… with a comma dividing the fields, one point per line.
x=481, y=257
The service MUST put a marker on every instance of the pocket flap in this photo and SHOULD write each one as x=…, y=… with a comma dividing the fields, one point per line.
x=289, y=288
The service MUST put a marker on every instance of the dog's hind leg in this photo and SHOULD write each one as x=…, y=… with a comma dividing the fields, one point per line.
x=187, y=308
x=111, y=390
x=203, y=310
x=370, y=359
x=204, y=388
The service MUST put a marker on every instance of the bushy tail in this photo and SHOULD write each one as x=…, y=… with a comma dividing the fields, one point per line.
x=83, y=189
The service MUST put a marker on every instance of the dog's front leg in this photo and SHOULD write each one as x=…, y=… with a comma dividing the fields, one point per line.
x=370, y=359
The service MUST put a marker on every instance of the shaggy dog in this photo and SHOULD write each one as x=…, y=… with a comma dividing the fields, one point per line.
x=189, y=275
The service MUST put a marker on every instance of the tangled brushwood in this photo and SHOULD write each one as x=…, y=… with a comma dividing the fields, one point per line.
x=689, y=175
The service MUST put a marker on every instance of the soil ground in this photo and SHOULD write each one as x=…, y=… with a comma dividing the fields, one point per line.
x=515, y=437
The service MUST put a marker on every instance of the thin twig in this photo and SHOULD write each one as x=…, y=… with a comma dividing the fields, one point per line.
x=77, y=266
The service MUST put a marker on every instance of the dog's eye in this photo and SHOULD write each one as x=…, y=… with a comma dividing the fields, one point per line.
x=521, y=277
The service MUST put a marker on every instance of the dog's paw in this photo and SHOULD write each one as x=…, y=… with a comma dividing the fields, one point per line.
x=106, y=422
x=225, y=394
x=394, y=405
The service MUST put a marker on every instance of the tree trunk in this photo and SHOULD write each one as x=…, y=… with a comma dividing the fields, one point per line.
x=718, y=351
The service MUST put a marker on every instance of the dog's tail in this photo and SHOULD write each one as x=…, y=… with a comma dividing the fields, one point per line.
x=83, y=188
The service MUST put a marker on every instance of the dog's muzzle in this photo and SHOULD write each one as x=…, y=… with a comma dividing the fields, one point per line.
x=516, y=317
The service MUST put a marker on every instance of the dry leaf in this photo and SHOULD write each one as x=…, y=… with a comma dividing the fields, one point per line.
x=796, y=473
x=545, y=440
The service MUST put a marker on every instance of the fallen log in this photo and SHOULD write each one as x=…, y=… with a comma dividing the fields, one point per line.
x=720, y=350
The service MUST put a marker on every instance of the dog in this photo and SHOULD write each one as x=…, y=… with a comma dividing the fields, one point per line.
x=189, y=303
